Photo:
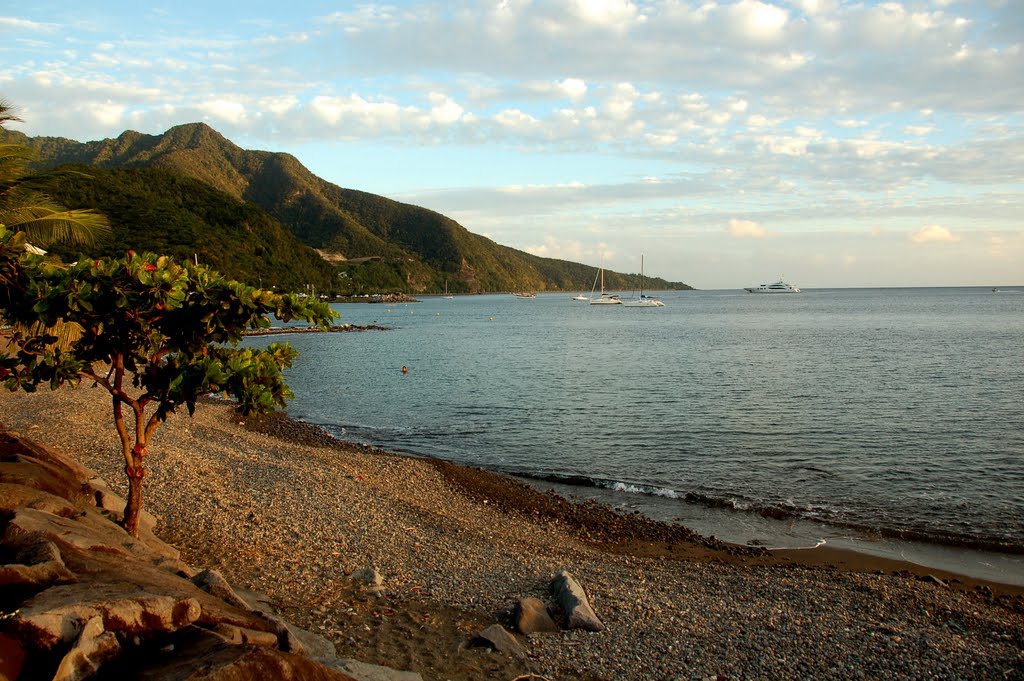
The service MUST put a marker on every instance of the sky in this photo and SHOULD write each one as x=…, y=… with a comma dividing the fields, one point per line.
x=833, y=143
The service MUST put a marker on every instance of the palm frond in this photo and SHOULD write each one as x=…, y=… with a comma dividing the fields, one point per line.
x=67, y=334
x=44, y=225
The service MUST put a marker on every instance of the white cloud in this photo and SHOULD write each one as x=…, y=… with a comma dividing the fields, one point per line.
x=279, y=105
x=607, y=13
x=108, y=113
x=223, y=109
x=758, y=21
x=17, y=24
x=919, y=130
x=933, y=233
x=574, y=88
x=553, y=247
x=746, y=229
x=516, y=120
x=444, y=110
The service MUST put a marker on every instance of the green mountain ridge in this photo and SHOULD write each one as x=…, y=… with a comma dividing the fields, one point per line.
x=377, y=243
x=152, y=209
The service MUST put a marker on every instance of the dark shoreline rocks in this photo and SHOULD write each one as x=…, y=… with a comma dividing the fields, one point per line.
x=338, y=328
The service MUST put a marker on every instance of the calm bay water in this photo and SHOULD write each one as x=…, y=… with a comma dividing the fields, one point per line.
x=861, y=417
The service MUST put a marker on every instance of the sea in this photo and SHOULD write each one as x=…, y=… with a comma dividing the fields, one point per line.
x=888, y=421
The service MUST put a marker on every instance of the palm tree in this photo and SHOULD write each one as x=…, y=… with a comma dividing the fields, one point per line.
x=25, y=206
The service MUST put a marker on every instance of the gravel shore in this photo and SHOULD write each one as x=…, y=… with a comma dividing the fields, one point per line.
x=280, y=508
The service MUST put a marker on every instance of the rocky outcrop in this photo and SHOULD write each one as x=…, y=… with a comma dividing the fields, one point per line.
x=80, y=598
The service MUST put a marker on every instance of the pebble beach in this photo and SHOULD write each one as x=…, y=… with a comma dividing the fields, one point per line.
x=282, y=509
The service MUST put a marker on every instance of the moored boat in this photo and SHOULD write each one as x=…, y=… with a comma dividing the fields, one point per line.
x=643, y=301
x=778, y=287
x=603, y=298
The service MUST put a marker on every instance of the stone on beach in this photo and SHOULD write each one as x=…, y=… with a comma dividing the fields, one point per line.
x=531, y=617
x=570, y=595
x=499, y=638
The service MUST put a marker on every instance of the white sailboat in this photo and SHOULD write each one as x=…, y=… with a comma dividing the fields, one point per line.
x=448, y=297
x=643, y=301
x=603, y=298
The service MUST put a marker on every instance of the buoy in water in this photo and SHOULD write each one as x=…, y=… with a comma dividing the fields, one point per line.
x=405, y=370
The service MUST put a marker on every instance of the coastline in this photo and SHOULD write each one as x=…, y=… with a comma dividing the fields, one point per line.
x=282, y=508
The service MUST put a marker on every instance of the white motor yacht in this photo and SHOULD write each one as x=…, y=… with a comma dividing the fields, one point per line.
x=778, y=287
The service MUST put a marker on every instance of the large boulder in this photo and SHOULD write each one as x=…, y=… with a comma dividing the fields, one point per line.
x=59, y=614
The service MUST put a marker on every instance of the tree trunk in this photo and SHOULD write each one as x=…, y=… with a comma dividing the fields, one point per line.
x=133, y=509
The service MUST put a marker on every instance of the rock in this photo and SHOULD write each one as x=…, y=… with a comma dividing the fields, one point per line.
x=368, y=575
x=262, y=663
x=573, y=600
x=201, y=655
x=243, y=636
x=932, y=579
x=85, y=530
x=499, y=638
x=212, y=582
x=314, y=646
x=38, y=564
x=531, y=617
x=255, y=600
x=362, y=671
x=57, y=615
x=289, y=638
x=109, y=501
x=14, y=496
x=93, y=648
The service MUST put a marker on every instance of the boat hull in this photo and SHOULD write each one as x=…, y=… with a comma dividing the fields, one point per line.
x=777, y=287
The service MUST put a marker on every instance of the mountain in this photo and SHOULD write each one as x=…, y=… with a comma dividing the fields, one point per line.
x=376, y=242
x=152, y=209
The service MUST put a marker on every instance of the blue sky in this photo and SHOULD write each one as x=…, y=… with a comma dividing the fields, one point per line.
x=834, y=143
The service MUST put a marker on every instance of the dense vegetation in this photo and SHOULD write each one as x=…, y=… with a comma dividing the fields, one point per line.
x=154, y=334
x=155, y=210
x=380, y=244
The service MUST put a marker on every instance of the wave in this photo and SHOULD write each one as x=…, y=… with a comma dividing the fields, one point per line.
x=787, y=510
x=411, y=442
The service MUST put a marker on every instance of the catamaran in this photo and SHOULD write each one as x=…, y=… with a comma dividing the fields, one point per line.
x=643, y=301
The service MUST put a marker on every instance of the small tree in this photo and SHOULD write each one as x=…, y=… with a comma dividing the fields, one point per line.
x=156, y=335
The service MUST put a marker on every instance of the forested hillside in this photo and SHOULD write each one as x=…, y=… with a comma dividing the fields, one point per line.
x=377, y=244
x=151, y=209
